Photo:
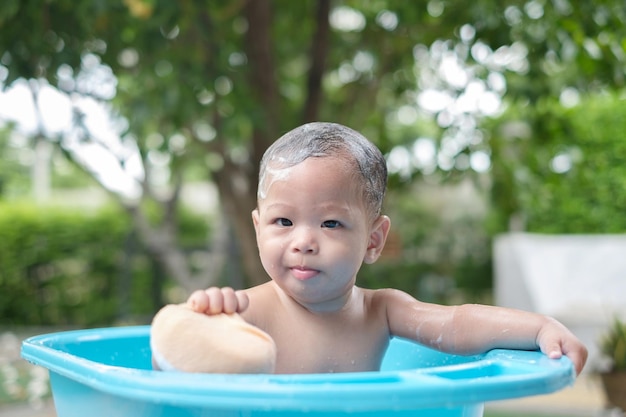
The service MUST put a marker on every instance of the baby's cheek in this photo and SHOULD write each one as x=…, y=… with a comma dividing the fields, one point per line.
x=271, y=254
x=349, y=259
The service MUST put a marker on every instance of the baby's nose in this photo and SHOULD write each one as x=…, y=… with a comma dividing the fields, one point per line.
x=305, y=240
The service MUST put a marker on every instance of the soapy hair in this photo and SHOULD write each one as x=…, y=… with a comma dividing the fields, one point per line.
x=317, y=140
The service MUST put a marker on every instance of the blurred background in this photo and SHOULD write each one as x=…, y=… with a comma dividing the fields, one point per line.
x=131, y=132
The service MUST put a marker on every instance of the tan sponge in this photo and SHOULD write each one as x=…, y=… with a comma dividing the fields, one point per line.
x=184, y=340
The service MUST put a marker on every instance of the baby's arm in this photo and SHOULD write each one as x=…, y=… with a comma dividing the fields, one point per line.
x=216, y=300
x=470, y=329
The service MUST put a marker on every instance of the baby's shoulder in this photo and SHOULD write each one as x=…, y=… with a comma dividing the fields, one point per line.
x=263, y=296
x=387, y=294
x=384, y=297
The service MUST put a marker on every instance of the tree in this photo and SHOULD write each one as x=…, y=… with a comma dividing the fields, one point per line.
x=568, y=177
x=208, y=85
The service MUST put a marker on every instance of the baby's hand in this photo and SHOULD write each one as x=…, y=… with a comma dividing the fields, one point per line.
x=216, y=300
x=555, y=340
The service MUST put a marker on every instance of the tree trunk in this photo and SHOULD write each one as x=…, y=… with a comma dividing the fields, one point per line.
x=237, y=184
x=238, y=198
x=319, y=52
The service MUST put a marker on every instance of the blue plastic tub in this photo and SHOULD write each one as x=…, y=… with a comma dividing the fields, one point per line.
x=107, y=372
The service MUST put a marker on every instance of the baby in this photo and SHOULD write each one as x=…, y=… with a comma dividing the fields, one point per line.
x=318, y=219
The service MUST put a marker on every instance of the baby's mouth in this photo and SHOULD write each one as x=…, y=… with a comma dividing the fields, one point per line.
x=303, y=273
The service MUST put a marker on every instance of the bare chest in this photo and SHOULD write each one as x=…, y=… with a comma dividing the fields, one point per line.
x=329, y=344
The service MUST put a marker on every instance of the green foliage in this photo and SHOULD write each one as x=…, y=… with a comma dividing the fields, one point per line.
x=430, y=254
x=566, y=173
x=613, y=344
x=71, y=267
x=14, y=178
x=58, y=266
x=185, y=68
x=15, y=172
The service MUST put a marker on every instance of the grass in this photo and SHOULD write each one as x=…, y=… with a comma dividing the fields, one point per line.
x=19, y=380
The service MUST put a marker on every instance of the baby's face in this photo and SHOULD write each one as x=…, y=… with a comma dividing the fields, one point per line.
x=313, y=231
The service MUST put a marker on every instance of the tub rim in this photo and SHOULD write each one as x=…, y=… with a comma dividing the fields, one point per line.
x=496, y=375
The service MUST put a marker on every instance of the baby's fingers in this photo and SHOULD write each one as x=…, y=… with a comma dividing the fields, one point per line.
x=234, y=301
x=209, y=301
x=576, y=353
x=242, y=301
x=198, y=301
x=216, y=300
x=552, y=350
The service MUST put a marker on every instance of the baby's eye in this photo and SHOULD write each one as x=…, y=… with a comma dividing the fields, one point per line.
x=284, y=222
x=331, y=224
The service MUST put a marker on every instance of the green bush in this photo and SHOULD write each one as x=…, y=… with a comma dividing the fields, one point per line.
x=59, y=266
x=566, y=174
x=432, y=257
x=72, y=267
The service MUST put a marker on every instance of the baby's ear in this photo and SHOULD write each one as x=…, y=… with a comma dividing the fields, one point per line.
x=378, y=237
x=256, y=219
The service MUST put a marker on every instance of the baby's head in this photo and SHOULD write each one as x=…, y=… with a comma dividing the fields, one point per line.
x=319, y=140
